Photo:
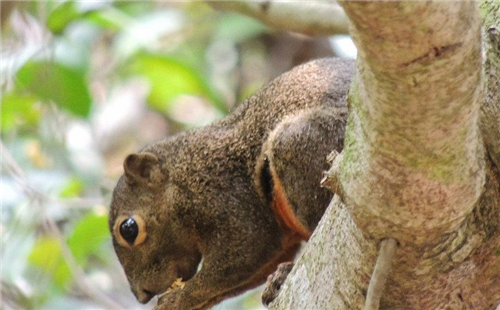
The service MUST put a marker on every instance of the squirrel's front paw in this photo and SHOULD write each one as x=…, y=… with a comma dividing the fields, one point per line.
x=172, y=301
x=274, y=282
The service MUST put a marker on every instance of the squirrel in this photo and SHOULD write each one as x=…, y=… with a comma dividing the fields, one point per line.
x=238, y=196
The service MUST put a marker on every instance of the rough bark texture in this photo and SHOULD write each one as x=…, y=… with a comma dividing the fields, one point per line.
x=413, y=163
x=312, y=18
x=414, y=166
x=332, y=272
x=490, y=109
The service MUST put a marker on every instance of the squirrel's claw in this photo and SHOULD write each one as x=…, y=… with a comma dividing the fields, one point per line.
x=274, y=282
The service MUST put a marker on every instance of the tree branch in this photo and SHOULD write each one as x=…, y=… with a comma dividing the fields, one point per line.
x=413, y=165
x=380, y=274
x=490, y=109
x=333, y=269
x=312, y=18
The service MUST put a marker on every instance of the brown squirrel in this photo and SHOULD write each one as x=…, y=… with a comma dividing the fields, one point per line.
x=241, y=194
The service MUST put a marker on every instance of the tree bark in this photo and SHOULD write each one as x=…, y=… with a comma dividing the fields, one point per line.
x=414, y=166
x=490, y=109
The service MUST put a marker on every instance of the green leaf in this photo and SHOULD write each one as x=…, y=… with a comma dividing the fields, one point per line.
x=170, y=79
x=18, y=110
x=62, y=275
x=238, y=28
x=62, y=16
x=109, y=18
x=73, y=188
x=88, y=236
x=55, y=82
x=46, y=255
x=68, y=12
x=135, y=8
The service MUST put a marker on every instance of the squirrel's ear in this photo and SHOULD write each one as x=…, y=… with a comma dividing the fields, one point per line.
x=142, y=168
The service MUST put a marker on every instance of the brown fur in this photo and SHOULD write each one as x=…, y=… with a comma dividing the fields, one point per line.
x=208, y=193
x=289, y=223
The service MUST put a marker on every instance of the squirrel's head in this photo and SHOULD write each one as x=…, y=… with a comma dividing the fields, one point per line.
x=150, y=240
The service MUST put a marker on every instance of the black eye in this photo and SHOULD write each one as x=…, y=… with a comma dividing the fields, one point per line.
x=129, y=230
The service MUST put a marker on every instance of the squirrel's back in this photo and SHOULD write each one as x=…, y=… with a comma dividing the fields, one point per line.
x=232, y=144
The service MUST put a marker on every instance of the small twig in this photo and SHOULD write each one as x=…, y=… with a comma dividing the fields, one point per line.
x=331, y=179
x=12, y=297
x=380, y=274
x=40, y=198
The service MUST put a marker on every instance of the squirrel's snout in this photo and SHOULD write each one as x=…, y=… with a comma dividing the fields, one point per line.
x=143, y=295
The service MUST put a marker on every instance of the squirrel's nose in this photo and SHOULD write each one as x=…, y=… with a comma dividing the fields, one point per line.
x=143, y=295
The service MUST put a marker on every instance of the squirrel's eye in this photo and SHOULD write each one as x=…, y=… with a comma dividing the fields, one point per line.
x=129, y=230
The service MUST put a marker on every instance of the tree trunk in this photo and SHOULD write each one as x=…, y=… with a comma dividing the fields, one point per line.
x=420, y=164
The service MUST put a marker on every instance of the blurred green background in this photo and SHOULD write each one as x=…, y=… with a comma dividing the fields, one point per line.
x=84, y=83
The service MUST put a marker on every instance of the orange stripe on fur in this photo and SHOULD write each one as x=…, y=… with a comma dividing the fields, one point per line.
x=282, y=209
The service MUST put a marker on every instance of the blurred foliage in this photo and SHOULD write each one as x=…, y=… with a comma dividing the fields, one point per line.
x=18, y=111
x=83, y=84
x=170, y=79
x=73, y=188
x=52, y=82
